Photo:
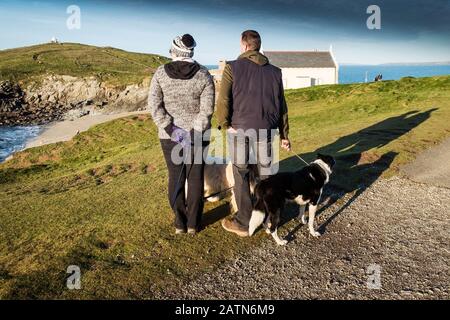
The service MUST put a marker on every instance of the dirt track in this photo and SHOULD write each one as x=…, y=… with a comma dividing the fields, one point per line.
x=400, y=225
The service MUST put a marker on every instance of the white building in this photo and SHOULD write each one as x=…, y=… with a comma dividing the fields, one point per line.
x=303, y=69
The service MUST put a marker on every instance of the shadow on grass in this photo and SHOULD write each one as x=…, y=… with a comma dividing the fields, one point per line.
x=355, y=169
x=51, y=281
x=215, y=215
x=11, y=175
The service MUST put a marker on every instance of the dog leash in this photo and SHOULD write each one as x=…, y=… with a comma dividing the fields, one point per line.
x=222, y=191
x=295, y=154
x=217, y=193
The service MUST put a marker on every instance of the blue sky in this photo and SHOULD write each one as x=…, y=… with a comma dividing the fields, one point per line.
x=412, y=31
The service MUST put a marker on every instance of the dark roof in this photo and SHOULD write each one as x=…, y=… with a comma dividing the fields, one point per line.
x=300, y=59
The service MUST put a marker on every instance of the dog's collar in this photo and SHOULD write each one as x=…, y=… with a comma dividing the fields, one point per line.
x=324, y=167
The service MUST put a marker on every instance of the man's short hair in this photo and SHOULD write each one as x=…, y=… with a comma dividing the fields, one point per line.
x=252, y=39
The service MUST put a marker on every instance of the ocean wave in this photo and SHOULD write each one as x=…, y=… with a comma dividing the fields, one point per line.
x=13, y=139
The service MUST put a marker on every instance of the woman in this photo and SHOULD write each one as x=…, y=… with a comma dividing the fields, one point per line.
x=181, y=101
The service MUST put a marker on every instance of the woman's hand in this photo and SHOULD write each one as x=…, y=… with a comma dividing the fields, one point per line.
x=231, y=130
x=180, y=136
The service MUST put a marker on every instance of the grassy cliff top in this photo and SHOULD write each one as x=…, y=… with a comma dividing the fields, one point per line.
x=114, y=66
x=99, y=201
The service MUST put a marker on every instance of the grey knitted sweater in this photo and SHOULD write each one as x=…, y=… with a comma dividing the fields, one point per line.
x=188, y=104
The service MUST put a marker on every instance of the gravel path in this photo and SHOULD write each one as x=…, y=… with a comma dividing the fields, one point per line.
x=432, y=166
x=399, y=225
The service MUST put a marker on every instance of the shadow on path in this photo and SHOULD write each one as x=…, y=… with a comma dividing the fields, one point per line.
x=355, y=169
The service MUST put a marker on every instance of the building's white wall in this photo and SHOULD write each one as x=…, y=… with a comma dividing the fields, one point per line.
x=294, y=78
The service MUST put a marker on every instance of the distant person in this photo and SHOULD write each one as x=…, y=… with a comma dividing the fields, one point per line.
x=251, y=96
x=181, y=101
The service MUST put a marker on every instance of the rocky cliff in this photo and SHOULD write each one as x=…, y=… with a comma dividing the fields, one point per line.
x=49, y=82
x=66, y=97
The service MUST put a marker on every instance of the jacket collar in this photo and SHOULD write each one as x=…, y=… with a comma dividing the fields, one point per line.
x=254, y=56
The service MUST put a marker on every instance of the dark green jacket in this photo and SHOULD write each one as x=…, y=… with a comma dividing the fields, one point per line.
x=251, y=95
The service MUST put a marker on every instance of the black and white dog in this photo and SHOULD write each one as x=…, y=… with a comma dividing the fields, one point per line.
x=304, y=187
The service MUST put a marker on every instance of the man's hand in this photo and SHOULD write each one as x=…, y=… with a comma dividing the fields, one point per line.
x=286, y=144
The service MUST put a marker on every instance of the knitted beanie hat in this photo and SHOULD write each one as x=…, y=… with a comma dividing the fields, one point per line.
x=183, y=46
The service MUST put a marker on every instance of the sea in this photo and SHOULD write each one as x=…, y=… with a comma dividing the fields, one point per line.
x=358, y=73
x=13, y=139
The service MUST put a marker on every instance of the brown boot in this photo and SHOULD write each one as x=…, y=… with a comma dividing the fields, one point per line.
x=233, y=226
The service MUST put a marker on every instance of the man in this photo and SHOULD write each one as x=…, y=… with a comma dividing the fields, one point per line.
x=251, y=96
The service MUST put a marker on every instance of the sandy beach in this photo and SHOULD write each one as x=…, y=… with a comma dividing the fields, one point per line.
x=66, y=130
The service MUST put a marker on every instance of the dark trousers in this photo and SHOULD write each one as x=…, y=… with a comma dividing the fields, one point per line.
x=188, y=208
x=240, y=157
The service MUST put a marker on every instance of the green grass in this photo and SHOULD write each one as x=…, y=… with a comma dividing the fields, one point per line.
x=99, y=201
x=112, y=66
